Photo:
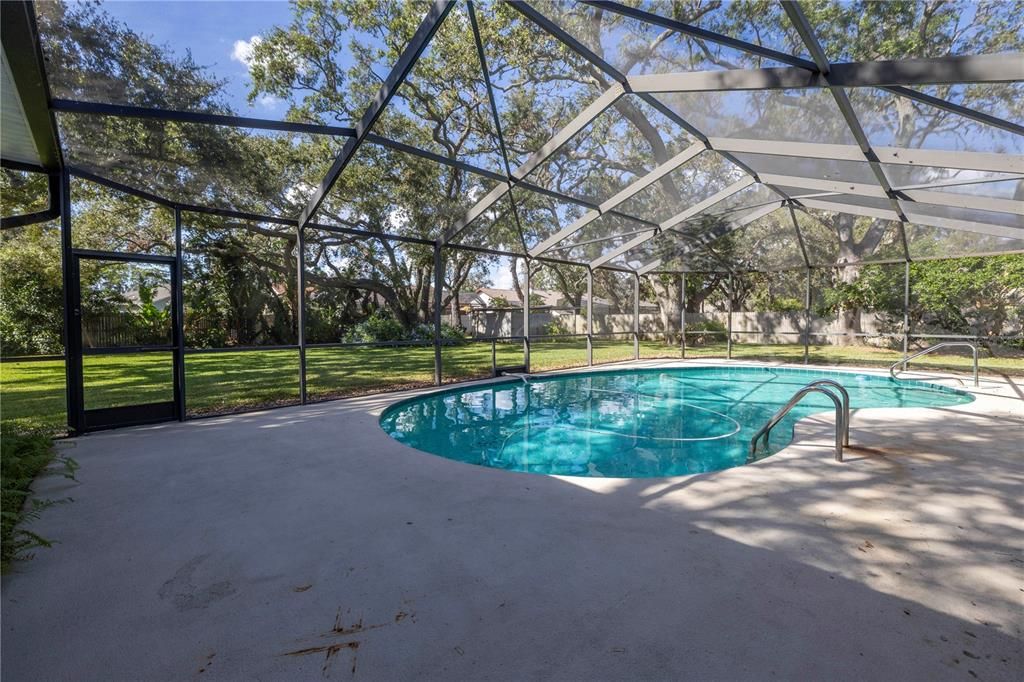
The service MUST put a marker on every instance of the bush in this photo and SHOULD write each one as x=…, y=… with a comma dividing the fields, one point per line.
x=377, y=327
x=381, y=327
x=554, y=328
x=23, y=457
x=715, y=332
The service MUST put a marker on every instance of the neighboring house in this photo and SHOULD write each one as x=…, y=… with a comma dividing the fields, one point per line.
x=487, y=297
x=161, y=297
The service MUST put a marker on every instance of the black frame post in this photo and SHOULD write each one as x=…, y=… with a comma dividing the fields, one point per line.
x=906, y=312
x=590, y=317
x=526, y=314
x=807, y=319
x=636, y=316
x=72, y=348
x=300, y=308
x=438, y=284
x=682, y=314
x=728, y=332
x=179, y=319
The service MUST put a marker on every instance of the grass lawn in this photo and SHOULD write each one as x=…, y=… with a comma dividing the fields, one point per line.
x=32, y=396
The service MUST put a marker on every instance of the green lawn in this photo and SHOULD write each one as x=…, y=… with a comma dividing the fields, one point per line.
x=32, y=395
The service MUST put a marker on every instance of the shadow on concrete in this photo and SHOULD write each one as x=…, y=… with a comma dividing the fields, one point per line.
x=304, y=543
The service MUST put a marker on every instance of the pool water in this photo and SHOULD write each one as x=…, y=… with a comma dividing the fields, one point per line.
x=633, y=422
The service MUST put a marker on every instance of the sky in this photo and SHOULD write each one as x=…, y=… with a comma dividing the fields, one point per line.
x=218, y=33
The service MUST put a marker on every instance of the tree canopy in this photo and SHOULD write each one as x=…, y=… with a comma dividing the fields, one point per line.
x=327, y=63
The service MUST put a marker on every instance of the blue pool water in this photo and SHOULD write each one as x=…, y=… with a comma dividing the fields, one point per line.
x=633, y=422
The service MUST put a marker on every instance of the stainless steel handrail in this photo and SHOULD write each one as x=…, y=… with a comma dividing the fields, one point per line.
x=846, y=405
x=797, y=397
x=929, y=349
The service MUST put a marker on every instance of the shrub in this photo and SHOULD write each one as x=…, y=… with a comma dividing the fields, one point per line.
x=715, y=331
x=377, y=327
x=381, y=327
x=23, y=456
x=554, y=328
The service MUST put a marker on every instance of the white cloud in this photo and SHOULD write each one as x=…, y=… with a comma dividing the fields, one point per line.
x=500, y=273
x=269, y=101
x=242, y=50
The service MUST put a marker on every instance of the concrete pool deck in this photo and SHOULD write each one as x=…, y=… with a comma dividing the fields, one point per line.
x=304, y=543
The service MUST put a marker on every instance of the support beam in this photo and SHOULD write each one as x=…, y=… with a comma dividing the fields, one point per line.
x=957, y=109
x=481, y=207
x=700, y=33
x=590, y=317
x=970, y=201
x=853, y=209
x=179, y=319
x=964, y=225
x=566, y=39
x=123, y=111
x=728, y=331
x=381, y=141
x=819, y=185
x=300, y=308
x=26, y=219
x=701, y=206
x=438, y=286
x=682, y=315
x=807, y=318
x=437, y=13
x=51, y=213
x=721, y=231
x=117, y=186
x=918, y=219
x=906, y=312
x=981, y=161
x=201, y=118
x=679, y=218
x=803, y=27
x=598, y=240
x=581, y=121
x=947, y=70
x=953, y=182
x=799, y=236
x=653, y=265
x=636, y=316
x=620, y=197
x=619, y=250
x=72, y=345
x=560, y=34
x=526, y=311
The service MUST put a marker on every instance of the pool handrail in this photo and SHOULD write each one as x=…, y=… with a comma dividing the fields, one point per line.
x=929, y=349
x=797, y=397
x=846, y=405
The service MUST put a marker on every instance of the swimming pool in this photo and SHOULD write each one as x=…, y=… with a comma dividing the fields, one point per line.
x=633, y=423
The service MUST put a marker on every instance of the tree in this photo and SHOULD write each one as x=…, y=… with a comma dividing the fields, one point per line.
x=328, y=62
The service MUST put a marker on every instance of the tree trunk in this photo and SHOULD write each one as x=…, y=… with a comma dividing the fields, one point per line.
x=669, y=306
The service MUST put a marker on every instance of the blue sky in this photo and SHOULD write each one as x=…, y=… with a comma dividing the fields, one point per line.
x=216, y=33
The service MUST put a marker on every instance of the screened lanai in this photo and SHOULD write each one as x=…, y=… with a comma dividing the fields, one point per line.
x=630, y=172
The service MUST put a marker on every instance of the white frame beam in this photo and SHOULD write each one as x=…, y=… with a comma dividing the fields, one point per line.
x=578, y=123
x=621, y=197
x=947, y=70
